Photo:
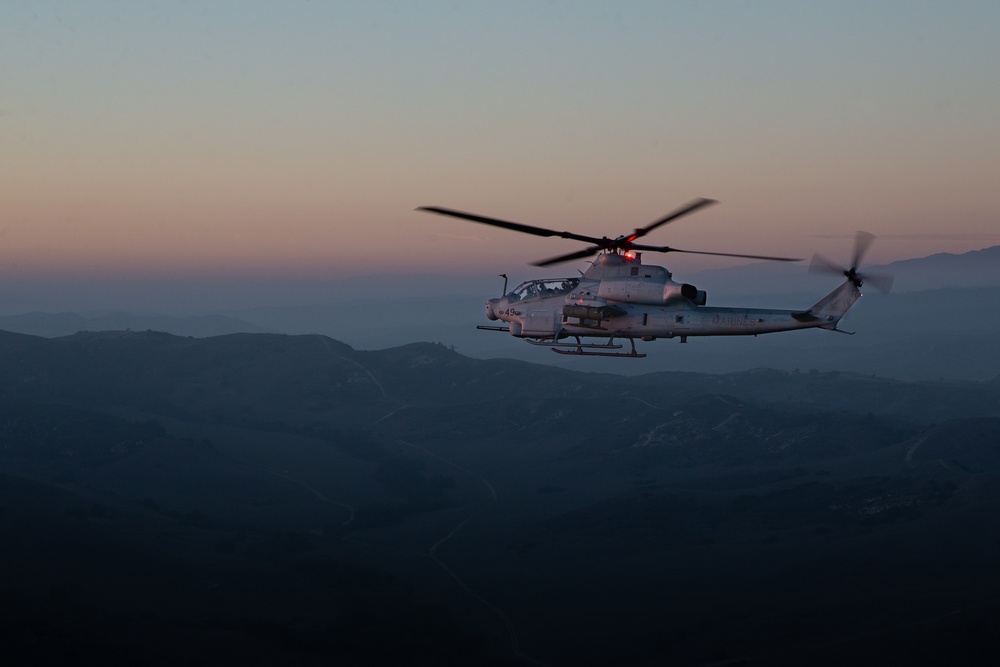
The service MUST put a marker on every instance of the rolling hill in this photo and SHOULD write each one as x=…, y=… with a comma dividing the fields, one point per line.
x=258, y=498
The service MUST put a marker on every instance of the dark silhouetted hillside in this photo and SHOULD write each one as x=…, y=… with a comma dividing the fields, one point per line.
x=262, y=499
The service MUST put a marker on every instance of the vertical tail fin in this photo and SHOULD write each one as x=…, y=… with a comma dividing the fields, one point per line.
x=833, y=306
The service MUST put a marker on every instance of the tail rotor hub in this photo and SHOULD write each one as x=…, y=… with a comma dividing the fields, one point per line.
x=881, y=282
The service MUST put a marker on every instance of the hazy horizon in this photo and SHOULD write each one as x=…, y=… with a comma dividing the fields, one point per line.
x=386, y=311
x=180, y=293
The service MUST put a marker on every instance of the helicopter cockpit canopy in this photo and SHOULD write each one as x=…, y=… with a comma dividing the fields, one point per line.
x=543, y=288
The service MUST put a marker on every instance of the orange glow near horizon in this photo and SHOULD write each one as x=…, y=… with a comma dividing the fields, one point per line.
x=303, y=141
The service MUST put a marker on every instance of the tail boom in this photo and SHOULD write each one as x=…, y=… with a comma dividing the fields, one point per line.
x=826, y=313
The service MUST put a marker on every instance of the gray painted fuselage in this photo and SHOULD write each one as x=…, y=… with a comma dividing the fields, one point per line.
x=619, y=297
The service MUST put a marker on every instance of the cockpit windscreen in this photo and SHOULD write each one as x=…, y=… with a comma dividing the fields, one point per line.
x=543, y=288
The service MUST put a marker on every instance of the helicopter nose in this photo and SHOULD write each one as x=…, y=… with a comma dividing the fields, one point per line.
x=491, y=305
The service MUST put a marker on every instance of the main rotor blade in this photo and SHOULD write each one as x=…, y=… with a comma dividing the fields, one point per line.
x=579, y=254
x=690, y=208
x=666, y=248
x=516, y=226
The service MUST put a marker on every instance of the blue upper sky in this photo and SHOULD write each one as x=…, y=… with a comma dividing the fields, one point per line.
x=299, y=136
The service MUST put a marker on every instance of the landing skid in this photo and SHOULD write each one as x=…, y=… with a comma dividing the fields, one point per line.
x=554, y=343
x=582, y=349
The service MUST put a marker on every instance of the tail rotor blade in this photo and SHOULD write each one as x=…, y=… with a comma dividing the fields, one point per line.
x=862, y=241
x=880, y=281
x=821, y=264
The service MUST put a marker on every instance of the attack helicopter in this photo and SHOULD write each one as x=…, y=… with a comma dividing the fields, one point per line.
x=620, y=298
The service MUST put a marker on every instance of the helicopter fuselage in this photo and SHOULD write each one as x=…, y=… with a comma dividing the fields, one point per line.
x=619, y=297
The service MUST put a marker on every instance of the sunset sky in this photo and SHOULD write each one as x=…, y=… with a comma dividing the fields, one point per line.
x=272, y=138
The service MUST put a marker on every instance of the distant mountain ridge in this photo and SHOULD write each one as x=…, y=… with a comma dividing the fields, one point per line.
x=938, y=323
x=976, y=268
x=52, y=325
